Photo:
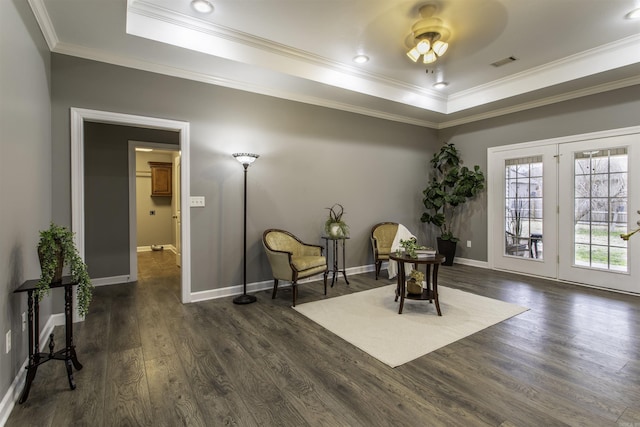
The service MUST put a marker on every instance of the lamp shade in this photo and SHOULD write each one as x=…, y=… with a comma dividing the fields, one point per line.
x=429, y=57
x=414, y=54
x=423, y=46
x=245, y=158
x=440, y=47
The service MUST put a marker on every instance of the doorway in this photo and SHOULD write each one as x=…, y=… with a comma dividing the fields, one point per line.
x=78, y=118
x=557, y=208
x=154, y=217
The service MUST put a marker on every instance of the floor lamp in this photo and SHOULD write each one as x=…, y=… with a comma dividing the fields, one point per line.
x=245, y=159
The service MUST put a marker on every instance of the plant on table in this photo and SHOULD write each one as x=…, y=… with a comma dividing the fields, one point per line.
x=414, y=284
x=57, y=245
x=410, y=247
x=334, y=226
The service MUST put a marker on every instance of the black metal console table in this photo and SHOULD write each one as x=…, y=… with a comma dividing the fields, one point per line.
x=68, y=353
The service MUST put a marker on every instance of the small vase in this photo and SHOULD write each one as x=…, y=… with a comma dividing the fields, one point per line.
x=335, y=230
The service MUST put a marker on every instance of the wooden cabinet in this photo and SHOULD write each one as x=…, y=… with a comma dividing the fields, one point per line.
x=161, y=178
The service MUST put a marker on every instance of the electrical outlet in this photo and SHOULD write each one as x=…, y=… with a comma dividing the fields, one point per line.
x=24, y=320
x=197, y=201
x=468, y=243
x=8, y=341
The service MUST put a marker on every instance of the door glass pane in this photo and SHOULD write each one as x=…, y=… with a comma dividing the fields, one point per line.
x=523, y=207
x=600, y=209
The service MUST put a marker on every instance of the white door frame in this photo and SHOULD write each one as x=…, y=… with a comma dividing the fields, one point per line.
x=493, y=206
x=547, y=266
x=78, y=117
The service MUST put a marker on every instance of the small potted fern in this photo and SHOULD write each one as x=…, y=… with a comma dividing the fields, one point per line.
x=334, y=226
x=56, y=249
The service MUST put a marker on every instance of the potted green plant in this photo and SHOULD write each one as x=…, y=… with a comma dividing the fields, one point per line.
x=334, y=226
x=56, y=249
x=414, y=284
x=451, y=185
x=410, y=246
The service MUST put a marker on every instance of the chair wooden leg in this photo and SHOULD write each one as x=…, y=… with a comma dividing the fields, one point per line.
x=378, y=266
x=294, y=291
x=275, y=288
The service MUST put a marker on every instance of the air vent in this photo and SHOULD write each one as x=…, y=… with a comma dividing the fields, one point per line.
x=504, y=61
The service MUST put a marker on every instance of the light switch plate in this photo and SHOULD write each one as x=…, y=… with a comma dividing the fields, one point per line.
x=197, y=201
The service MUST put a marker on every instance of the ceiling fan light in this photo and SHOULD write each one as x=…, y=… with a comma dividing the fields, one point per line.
x=413, y=54
x=429, y=57
x=423, y=46
x=440, y=47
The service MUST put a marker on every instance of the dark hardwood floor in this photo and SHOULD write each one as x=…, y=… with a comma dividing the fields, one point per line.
x=571, y=360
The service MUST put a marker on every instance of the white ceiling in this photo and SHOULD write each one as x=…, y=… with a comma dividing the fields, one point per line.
x=303, y=50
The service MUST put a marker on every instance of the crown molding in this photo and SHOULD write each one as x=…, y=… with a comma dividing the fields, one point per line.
x=610, y=56
x=100, y=56
x=97, y=55
x=593, y=90
x=165, y=26
x=616, y=54
x=44, y=21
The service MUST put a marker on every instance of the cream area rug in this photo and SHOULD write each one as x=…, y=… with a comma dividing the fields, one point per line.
x=370, y=321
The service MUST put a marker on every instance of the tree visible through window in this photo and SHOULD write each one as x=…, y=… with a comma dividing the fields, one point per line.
x=600, y=209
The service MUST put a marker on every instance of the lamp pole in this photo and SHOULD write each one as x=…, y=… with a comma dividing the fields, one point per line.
x=246, y=159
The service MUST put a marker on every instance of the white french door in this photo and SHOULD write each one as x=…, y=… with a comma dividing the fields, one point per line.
x=557, y=209
x=522, y=208
x=599, y=199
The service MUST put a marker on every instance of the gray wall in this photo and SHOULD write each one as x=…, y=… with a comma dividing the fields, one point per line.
x=25, y=172
x=610, y=110
x=106, y=188
x=311, y=158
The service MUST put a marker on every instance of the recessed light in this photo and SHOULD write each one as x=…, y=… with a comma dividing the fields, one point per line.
x=202, y=6
x=360, y=59
x=440, y=85
x=634, y=14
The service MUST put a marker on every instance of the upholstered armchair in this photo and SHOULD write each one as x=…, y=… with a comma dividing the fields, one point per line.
x=382, y=236
x=292, y=260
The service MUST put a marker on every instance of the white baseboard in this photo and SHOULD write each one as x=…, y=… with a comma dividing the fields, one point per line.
x=265, y=285
x=471, y=262
x=114, y=280
x=15, y=389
